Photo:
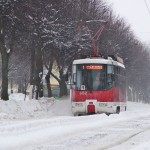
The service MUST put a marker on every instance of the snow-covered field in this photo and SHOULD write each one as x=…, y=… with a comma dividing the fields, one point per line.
x=48, y=124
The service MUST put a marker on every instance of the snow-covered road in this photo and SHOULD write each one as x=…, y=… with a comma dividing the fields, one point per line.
x=128, y=130
x=86, y=132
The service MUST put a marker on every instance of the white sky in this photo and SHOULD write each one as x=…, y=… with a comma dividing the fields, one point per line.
x=136, y=14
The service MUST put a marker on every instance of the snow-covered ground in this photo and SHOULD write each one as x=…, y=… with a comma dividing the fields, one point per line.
x=48, y=124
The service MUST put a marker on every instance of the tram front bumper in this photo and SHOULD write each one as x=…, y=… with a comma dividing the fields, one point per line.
x=92, y=106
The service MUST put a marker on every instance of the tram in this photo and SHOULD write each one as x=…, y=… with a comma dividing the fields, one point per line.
x=98, y=86
x=98, y=82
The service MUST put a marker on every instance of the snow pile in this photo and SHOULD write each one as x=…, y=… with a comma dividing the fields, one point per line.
x=18, y=108
x=18, y=97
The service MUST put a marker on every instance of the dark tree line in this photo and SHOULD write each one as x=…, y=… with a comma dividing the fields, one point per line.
x=41, y=33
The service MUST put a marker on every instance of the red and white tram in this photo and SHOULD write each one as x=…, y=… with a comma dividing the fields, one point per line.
x=99, y=86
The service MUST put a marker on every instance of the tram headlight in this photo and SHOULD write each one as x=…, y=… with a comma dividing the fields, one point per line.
x=78, y=104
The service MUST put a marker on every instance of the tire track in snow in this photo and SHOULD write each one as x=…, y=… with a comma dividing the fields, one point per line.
x=125, y=139
x=106, y=137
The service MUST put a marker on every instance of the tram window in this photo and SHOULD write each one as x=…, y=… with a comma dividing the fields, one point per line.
x=74, y=73
x=74, y=68
x=115, y=70
x=110, y=69
x=79, y=76
x=123, y=71
x=85, y=76
x=110, y=75
x=74, y=77
x=119, y=70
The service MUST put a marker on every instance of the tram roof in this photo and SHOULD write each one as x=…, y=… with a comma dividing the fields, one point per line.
x=98, y=61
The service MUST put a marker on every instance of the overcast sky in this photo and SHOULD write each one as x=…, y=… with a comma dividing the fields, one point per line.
x=137, y=14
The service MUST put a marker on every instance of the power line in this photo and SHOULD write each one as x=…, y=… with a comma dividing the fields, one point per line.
x=143, y=32
x=147, y=6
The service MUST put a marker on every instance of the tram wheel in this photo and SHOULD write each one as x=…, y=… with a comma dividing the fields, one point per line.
x=125, y=108
x=107, y=114
x=76, y=114
x=118, y=110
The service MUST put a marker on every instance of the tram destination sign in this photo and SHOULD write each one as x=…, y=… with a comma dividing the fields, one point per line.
x=93, y=67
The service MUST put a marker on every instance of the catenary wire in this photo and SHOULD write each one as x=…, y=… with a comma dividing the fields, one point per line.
x=147, y=6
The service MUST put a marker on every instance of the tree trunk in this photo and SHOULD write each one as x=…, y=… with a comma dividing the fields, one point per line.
x=39, y=67
x=5, y=58
x=63, y=88
x=32, y=70
x=38, y=80
x=62, y=84
x=47, y=78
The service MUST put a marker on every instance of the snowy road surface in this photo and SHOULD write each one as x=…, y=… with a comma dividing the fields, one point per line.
x=62, y=131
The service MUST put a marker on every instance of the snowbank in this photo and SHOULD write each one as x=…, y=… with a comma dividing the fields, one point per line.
x=18, y=108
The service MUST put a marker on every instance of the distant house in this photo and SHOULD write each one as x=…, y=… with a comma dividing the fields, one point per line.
x=54, y=83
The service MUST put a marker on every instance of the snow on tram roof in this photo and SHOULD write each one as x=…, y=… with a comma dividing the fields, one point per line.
x=98, y=61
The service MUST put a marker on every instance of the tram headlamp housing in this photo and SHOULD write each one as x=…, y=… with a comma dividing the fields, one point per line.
x=79, y=104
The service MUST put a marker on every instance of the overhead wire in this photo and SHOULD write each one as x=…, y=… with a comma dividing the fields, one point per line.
x=147, y=6
x=148, y=12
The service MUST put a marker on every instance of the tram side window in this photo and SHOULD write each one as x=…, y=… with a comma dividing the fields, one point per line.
x=74, y=74
x=122, y=79
x=116, y=76
x=79, y=81
x=110, y=73
x=119, y=77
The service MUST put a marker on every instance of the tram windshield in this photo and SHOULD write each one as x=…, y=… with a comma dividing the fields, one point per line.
x=93, y=77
